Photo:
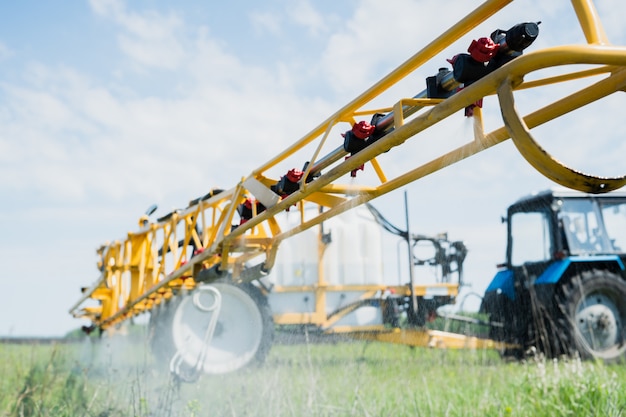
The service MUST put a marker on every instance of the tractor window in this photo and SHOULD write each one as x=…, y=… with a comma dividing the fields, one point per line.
x=614, y=215
x=582, y=228
x=530, y=238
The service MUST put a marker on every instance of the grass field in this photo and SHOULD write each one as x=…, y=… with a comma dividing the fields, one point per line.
x=113, y=378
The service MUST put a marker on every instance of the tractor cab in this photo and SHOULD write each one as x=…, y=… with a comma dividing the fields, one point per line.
x=555, y=225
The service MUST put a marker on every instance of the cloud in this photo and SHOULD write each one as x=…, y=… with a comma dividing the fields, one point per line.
x=376, y=38
x=303, y=13
x=150, y=38
x=5, y=52
x=108, y=7
x=212, y=121
x=266, y=22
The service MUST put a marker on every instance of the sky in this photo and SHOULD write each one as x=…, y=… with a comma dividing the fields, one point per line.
x=109, y=106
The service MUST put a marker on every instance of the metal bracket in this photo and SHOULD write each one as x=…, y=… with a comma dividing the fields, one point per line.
x=177, y=364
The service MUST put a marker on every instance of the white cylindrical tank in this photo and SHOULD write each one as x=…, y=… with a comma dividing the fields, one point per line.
x=353, y=256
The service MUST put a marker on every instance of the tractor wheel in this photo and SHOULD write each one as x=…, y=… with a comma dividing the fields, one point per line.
x=593, y=315
x=242, y=332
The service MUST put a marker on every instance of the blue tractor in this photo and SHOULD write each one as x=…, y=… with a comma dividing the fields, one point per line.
x=562, y=289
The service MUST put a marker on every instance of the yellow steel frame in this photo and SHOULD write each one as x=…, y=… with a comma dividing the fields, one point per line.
x=427, y=338
x=320, y=317
x=150, y=265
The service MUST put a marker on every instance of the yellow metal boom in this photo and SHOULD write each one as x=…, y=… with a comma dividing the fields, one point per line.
x=205, y=239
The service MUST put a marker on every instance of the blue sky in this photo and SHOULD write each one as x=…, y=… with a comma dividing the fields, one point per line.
x=108, y=106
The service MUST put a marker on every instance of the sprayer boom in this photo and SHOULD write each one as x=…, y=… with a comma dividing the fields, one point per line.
x=233, y=233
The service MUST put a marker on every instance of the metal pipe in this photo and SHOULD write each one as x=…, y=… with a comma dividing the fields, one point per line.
x=385, y=124
x=448, y=83
x=412, y=319
x=209, y=275
x=521, y=36
x=454, y=33
x=327, y=161
x=253, y=273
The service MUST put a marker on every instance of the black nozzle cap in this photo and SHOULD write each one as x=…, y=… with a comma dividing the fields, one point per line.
x=522, y=35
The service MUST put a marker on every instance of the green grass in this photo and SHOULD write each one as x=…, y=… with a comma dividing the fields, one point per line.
x=344, y=379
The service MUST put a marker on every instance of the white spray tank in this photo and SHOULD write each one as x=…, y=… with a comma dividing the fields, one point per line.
x=350, y=256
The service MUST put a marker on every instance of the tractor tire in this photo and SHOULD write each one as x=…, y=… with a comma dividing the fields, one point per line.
x=592, y=309
x=243, y=333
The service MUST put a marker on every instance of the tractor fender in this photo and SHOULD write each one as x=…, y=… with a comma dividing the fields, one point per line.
x=502, y=283
x=558, y=269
